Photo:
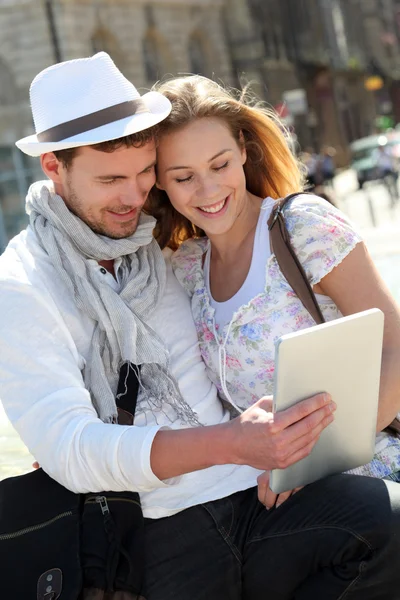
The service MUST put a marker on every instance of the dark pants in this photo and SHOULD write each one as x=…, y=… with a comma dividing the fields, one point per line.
x=337, y=538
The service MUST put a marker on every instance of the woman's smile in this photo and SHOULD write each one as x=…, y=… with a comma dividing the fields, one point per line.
x=215, y=210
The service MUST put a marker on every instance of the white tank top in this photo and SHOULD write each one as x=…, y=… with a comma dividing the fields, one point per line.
x=254, y=283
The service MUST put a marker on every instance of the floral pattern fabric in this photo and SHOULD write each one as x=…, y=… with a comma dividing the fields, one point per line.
x=322, y=237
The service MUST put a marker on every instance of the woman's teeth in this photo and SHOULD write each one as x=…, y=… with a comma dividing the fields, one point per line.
x=213, y=209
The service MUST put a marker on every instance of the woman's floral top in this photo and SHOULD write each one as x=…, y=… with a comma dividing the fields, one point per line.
x=322, y=237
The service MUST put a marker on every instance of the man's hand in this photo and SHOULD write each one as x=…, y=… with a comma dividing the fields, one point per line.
x=267, y=497
x=267, y=441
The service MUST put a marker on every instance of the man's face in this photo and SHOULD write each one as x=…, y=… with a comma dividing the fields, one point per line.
x=107, y=190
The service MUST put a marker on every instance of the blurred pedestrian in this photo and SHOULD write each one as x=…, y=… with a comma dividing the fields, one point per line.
x=386, y=161
x=319, y=170
x=327, y=165
x=311, y=161
x=388, y=172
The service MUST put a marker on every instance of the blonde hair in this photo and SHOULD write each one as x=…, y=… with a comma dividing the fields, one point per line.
x=270, y=168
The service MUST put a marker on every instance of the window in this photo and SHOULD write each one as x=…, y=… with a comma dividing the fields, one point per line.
x=152, y=57
x=104, y=41
x=8, y=92
x=198, y=55
x=156, y=55
x=17, y=172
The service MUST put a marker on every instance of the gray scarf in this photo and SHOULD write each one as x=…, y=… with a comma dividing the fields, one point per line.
x=121, y=333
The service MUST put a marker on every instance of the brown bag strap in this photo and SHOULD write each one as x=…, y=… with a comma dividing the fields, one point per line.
x=288, y=262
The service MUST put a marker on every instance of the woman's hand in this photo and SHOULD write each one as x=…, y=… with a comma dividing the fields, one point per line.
x=267, y=497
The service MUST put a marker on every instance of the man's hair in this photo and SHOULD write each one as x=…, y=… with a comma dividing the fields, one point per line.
x=136, y=140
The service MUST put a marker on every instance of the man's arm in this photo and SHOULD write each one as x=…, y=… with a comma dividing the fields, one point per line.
x=257, y=438
x=43, y=394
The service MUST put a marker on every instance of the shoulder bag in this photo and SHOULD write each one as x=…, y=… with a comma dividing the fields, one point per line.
x=55, y=544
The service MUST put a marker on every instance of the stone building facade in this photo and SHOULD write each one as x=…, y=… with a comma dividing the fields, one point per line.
x=147, y=40
x=326, y=48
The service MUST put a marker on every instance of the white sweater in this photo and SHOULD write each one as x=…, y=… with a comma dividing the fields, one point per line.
x=44, y=342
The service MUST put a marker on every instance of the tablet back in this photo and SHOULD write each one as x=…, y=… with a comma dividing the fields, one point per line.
x=342, y=357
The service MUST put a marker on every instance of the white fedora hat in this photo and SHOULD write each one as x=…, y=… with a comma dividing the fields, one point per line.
x=87, y=101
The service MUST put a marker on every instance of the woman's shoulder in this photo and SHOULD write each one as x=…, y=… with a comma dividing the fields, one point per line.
x=190, y=253
x=306, y=203
x=308, y=211
x=321, y=234
x=187, y=262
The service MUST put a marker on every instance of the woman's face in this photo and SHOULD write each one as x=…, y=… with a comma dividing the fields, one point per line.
x=201, y=169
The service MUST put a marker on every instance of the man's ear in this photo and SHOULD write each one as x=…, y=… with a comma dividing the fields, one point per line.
x=51, y=166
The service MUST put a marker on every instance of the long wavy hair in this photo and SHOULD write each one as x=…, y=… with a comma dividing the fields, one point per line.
x=270, y=169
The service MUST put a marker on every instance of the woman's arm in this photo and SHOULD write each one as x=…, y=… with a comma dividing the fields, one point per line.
x=355, y=285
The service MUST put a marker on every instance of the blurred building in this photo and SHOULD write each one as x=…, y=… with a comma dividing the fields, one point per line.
x=245, y=44
x=329, y=67
x=315, y=67
x=258, y=47
x=381, y=19
x=147, y=40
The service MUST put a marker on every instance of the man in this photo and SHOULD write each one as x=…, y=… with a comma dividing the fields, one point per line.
x=86, y=289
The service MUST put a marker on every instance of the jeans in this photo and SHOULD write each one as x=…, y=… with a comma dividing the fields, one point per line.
x=338, y=538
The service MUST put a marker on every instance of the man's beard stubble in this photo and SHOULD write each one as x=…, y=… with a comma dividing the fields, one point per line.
x=75, y=205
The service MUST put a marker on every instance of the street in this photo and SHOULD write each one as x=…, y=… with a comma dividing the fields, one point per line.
x=364, y=207
x=369, y=208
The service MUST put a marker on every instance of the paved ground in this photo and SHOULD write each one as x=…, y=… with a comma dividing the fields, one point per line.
x=378, y=222
x=364, y=207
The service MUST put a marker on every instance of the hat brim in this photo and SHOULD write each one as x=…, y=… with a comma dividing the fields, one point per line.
x=158, y=106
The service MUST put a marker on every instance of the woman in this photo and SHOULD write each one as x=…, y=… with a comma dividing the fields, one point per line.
x=221, y=166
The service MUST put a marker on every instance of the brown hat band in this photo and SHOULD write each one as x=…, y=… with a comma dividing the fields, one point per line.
x=105, y=116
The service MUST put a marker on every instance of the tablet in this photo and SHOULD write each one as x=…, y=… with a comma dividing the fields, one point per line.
x=342, y=357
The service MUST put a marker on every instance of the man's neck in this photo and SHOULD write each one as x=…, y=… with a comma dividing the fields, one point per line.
x=109, y=265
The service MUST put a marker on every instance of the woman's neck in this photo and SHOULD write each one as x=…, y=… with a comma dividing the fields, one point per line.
x=226, y=245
